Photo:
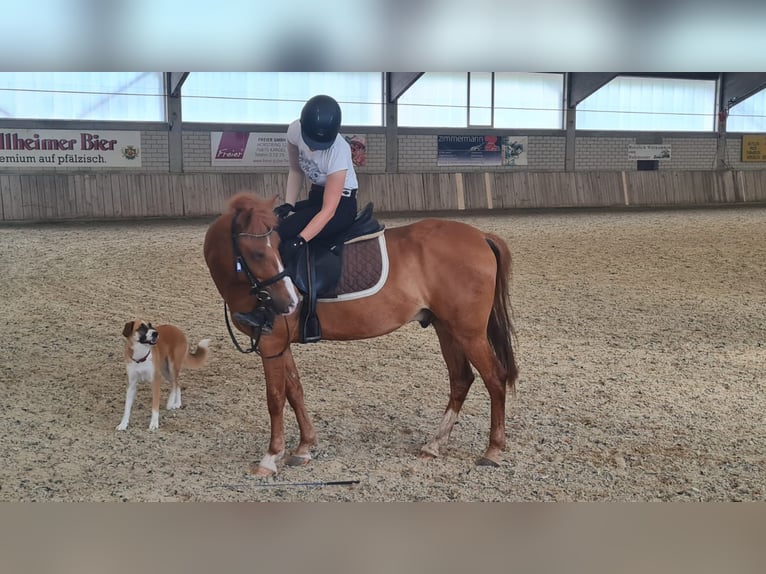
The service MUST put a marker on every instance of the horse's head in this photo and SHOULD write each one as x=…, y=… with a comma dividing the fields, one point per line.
x=242, y=253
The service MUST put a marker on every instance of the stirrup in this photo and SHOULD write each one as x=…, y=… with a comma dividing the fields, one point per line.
x=311, y=331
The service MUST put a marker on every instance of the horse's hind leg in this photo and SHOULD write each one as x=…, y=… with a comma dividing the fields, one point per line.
x=482, y=357
x=302, y=454
x=460, y=379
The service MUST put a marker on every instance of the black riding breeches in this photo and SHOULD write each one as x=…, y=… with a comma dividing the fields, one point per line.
x=306, y=210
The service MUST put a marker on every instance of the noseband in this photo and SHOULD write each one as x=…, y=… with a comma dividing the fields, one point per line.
x=264, y=302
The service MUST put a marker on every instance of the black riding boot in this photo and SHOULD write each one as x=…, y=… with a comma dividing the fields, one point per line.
x=311, y=331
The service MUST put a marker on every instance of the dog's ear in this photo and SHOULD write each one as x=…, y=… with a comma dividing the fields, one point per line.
x=128, y=329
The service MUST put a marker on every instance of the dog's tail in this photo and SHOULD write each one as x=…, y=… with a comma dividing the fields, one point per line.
x=199, y=357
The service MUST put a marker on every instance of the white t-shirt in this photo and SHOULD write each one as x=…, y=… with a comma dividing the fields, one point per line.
x=317, y=165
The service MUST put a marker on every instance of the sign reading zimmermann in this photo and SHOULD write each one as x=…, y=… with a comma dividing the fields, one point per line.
x=488, y=150
x=34, y=149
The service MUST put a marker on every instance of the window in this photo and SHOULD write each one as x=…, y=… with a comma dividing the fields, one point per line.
x=277, y=97
x=749, y=115
x=108, y=96
x=654, y=104
x=532, y=101
x=492, y=99
x=480, y=98
x=437, y=99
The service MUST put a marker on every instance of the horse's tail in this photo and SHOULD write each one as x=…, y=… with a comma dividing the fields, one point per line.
x=500, y=330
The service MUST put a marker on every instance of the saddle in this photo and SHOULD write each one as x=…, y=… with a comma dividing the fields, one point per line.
x=317, y=269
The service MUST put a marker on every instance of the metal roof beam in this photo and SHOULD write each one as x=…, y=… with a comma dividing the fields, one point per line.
x=738, y=86
x=583, y=84
x=399, y=82
x=175, y=81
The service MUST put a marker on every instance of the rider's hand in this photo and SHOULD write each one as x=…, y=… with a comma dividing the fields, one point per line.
x=283, y=210
x=290, y=248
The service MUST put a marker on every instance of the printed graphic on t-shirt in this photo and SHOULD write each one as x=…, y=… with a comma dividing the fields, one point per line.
x=310, y=168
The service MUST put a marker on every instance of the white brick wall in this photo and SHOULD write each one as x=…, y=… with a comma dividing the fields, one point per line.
x=546, y=153
x=417, y=153
x=154, y=151
x=197, y=152
x=608, y=153
x=611, y=153
x=690, y=153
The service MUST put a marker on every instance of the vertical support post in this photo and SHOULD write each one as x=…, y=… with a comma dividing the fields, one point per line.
x=723, y=114
x=570, y=120
x=175, y=135
x=570, y=145
x=392, y=137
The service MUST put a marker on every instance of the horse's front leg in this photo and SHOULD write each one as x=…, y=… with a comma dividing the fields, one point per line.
x=308, y=439
x=275, y=398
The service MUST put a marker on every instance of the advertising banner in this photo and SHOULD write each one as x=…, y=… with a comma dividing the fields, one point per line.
x=69, y=149
x=649, y=151
x=248, y=149
x=267, y=149
x=481, y=150
x=358, y=145
x=753, y=148
x=515, y=150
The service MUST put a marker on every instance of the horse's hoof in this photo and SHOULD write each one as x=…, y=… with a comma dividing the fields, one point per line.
x=261, y=471
x=484, y=461
x=298, y=460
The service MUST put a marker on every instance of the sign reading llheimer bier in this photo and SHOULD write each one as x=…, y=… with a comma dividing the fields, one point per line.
x=753, y=148
x=25, y=149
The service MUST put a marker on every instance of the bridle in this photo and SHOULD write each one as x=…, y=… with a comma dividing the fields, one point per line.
x=263, y=298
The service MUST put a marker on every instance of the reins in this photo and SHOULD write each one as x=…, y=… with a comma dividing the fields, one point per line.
x=257, y=288
x=254, y=340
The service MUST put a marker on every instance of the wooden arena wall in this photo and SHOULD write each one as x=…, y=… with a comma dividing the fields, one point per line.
x=119, y=195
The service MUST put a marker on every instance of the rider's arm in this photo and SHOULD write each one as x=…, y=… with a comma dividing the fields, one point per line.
x=295, y=176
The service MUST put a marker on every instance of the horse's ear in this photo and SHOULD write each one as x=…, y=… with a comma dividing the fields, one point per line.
x=274, y=201
x=128, y=329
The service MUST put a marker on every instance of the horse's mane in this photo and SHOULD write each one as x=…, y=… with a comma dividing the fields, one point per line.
x=256, y=208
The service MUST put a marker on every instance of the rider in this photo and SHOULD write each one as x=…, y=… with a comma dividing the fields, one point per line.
x=316, y=150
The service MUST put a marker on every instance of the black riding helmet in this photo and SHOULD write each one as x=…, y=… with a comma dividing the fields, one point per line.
x=320, y=122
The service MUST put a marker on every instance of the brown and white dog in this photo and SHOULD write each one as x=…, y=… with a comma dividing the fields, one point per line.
x=152, y=354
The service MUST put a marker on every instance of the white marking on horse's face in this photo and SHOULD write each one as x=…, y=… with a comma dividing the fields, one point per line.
x=289, y=285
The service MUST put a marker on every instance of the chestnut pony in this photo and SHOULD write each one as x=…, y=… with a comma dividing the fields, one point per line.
x=444, y=273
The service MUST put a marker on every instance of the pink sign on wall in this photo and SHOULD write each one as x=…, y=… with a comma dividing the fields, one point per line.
x=248, y=149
